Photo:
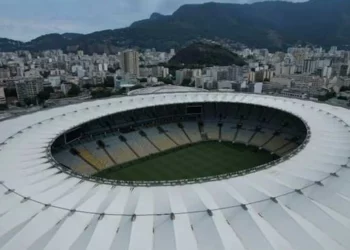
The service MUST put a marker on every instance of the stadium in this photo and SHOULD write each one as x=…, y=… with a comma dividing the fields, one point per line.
x=177, y=170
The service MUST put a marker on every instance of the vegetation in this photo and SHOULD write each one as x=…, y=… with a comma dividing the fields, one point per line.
x=74, y=91
x=109, y=82
x=327, y=96
x=10, y=92
x=45, y=94
x=202, y=54
x=190, y=161
x=3, y=106
x=344, y=88
x=186, y=82
x=166, y=80
x=342, y=98
x=45, y=74
x=29, y=101
x=136, y=87
x=101, y=93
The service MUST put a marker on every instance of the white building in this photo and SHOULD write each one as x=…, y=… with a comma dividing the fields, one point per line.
x=54, y=81
x=75, y=68
x=327, y=72
x=179, y=76
x=81, y=73
x=258, y=87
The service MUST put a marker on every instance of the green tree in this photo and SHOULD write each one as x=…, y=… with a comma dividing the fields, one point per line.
x=3, y=106
x=10, y=92
x=109, y=82
x=326, y=97
x=344, y=88
x=143, y=80
x=136, y=87
x=74, y=91
x=87, y=86
x=100, y=93
x=43, y=96
x=186, y=82
x=45, y=74
x=165, y=80
x=112, y=70
x=49, y=89
x=29, y=101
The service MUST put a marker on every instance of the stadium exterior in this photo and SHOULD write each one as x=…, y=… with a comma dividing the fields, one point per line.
x=300, y=202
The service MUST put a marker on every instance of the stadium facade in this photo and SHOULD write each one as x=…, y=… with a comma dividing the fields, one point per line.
x=302, y=201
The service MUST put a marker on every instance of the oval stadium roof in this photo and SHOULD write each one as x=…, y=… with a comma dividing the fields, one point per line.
x=164, y=89
x=301, y=203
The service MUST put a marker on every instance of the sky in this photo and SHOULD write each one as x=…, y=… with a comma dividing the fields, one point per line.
x=27, y=19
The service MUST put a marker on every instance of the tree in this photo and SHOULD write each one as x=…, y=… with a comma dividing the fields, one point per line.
x=100, y=93
x=112, y=70
x=109, y=82
x=186, y=82
x=43, y=96
x=87, y=86
x=74, y=91
x=45, y=74
x=49, y=89
x=326, y=97
x=165, y=80
x=136, y=87
x=3, y=106
x=10, y=92
x=29, y=101
x=121, y=91
x=344, y=88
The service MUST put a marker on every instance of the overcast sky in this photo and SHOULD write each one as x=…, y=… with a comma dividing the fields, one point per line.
x=26, y=19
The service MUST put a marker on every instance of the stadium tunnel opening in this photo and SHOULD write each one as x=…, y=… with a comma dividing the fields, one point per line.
x=180, y=142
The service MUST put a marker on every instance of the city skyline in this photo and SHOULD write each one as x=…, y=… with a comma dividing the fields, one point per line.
x=27, y=20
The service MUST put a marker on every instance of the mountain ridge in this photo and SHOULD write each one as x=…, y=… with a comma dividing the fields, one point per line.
x=271, y=24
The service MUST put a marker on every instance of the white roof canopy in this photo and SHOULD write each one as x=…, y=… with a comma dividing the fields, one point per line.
x=301, y=203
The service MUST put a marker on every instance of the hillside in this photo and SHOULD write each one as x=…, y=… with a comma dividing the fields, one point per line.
x=272, y=24
x=10, y=45
x=203, y=54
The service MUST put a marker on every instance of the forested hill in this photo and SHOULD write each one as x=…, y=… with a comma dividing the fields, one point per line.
x=271, y=24
x=203, y=54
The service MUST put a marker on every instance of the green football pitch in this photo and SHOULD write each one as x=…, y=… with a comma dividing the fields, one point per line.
x=197, y=160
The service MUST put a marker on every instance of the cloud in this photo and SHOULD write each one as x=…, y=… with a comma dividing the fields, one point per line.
x=25, y=20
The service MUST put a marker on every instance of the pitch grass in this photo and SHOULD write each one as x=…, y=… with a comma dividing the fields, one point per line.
x=197, y=160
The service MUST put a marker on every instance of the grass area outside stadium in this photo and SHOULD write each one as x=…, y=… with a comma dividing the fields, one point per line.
x=202, y=159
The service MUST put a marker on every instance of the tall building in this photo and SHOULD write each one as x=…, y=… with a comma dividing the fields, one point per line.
x=80, y=53
x=309, y=66
x=130, y=62
x=234, y=73
x=29, y=88
x=2, y=96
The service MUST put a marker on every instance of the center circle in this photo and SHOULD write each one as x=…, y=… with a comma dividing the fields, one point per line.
x=180, y=142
